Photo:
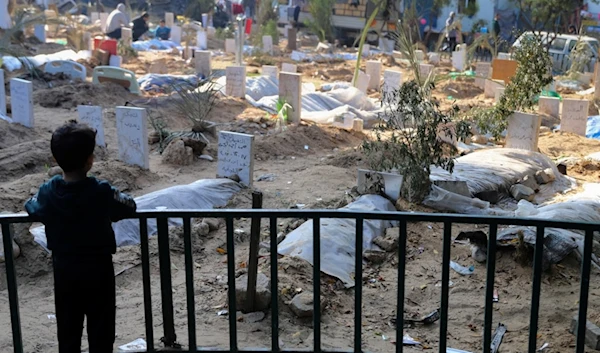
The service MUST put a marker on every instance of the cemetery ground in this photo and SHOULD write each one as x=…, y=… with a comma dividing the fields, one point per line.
x=308, y=165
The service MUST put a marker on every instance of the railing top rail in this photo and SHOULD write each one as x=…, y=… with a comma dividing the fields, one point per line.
x=328, y=213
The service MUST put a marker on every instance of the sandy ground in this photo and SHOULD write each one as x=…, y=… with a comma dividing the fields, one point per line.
x=319, y=177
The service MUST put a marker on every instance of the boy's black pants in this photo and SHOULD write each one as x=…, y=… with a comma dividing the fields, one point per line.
x=84, y=286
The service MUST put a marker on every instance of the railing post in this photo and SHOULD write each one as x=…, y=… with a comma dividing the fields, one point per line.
x=317, y=283
x=166, y=286
x=401, y=280
x=257, y=198
x=447, y=241
x=536, y=290
x=146, y=284
x=189, y=284
x=358, y=286
x=586, y=264
x=274, y=288
x=489, y=290
x=11, y=279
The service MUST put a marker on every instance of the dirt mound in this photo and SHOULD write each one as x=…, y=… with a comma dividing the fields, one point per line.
x=24, y=158
x=305, y=139
x=564, y=144
x=70, y=96
x=13, y=134
x=124, y=177
x=585, y=169
x=348, y=159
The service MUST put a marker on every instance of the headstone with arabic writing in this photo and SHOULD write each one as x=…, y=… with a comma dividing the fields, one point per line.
x=132, y=133
x=92, y=116
x=235, y=84
x=21, y=94
x=574, y=116
x=236, y=156
x=523, y=131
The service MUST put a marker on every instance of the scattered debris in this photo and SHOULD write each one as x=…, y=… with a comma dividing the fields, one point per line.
x=303, y=304
x=262, y=300
x=522, y=192
x=497, y=338
x=465, y=271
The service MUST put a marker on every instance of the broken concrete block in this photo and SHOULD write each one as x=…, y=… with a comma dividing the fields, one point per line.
x=375, y=256
x=491, y=196
x=455, y=186
x=522, y=192
x=545, y=176
x=592, y=333
x=262, y=300
x=530, y=182
x=303, y=305
x=389, y=241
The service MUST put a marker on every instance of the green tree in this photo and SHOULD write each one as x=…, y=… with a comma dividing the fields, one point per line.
x=321, y=22
x=548, y=15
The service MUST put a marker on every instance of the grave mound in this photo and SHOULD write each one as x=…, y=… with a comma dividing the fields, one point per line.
x=71, y=96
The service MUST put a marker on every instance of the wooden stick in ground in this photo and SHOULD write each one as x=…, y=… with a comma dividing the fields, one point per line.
x=257, y=198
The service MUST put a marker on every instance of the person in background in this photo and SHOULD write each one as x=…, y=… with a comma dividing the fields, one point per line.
x=115, y=21
x=78, y=212
x=497, y=26
x=573, y=30
x=140, y=26
x=297, y=5
x=162, y=31
x=451, y=32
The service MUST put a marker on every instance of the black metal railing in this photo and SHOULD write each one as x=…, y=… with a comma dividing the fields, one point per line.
x=403, y=219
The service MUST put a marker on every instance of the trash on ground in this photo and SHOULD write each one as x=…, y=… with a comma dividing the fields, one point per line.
x=135, y=346
x=465, y=271
x=497, y=338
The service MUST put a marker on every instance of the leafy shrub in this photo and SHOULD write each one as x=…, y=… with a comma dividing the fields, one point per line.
x=322, y=18
x=534, y=72
x=196, y=8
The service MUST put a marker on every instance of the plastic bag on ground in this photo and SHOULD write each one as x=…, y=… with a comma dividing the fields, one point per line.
x=151, y=82
x=338, y=239
x=200, y=195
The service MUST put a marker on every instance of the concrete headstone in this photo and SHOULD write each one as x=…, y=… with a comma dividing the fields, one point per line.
x=92, y=116
x=434, y=58
x=236, y=156
x=482, y=73
x=202, y=59
x=420, y=55
x=392, y=80
x=204, y=20
x=291, y=68
x=499, y=93
x=597, y=81
x=126, y=36
x=235, y=81
x=103, y=21
x=290, y=90
x=292, y=45
x=425, y=70
x=267, y=42
x=94, y=16
x=574, y=116
x=21, y=100
x=176, y=34
x=392, y=183
x=270, y=71
x=169, y=19
x=363, y=82
x=504, y=56
x=491, y=86
x=230, y=45
x=132, y=134
x=523, y=131
x=366, y=50
x=373, y=69
x=202, y=40
x=549, y=106
x=459, y=59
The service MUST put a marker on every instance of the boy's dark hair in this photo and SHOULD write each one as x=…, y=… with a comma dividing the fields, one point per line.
x=72, y=144
x=146, y=15
x=162, y=21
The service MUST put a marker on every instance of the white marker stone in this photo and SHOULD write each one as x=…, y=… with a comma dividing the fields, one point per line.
x=549, y=106
x=40, y=32
x=483, y=72
x=236, y=156
x=574, y=116
x=392, y=183
x=236, y=81
x=267, y=44
x=373, y=69
x=392, y=80
x=126, y=36
x=202, y=40
x=132, y=133
x=362, y=83
x=425, y=70
x=230, y=45
x=202, y=59
x=176, y=34
x=92, y=116
x=290, y=90
x=103, y=21
x=270, y=71
x=523, y=131
x=95, y=16
x=169, y=19
x=499, y=93
x=291, y=68
x=491, y=86
x=21, y=100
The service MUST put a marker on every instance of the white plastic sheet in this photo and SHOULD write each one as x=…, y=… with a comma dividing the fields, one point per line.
x=495, y=169
x=318, y=107
x=338, y=239
x=202, y=194
x=12, y=63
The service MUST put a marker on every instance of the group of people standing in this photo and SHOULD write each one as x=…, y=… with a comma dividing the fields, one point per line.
x=119, y=18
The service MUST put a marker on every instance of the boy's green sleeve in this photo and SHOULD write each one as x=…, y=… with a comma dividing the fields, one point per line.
x=121, y=206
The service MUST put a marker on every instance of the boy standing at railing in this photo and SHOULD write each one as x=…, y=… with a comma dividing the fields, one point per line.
x=78, y=212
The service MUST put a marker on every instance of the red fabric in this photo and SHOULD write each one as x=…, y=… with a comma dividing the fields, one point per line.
x=237, y=9
x=248, y=26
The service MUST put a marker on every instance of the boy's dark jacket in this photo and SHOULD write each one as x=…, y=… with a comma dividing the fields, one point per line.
x=78, y=215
